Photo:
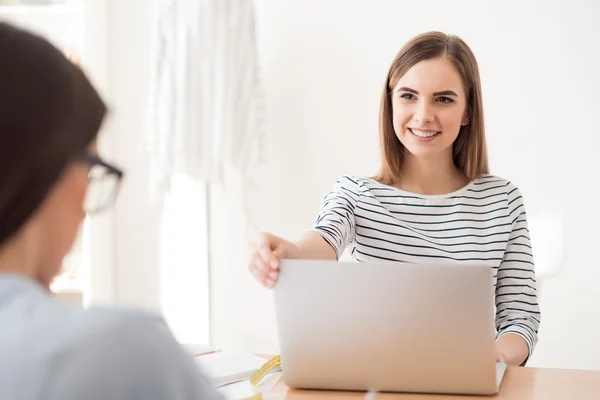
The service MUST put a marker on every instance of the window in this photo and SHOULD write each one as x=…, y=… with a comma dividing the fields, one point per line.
x=184, y=261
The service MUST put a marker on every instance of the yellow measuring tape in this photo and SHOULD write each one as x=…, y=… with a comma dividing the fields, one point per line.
x=260, y=374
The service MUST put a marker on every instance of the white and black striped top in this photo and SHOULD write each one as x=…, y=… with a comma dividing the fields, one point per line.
x=484, y=222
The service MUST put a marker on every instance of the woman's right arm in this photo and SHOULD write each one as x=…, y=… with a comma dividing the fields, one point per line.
x=269, y=249
x=333, y=231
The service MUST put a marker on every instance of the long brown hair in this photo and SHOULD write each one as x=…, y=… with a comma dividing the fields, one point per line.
x=469, y=149
x=49, y=114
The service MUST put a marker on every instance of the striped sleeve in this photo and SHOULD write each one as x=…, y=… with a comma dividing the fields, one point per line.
x=336, y=222
x=517, y=308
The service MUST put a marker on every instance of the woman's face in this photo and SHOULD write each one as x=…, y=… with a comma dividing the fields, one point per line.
x=429, y=106
x=60, y=219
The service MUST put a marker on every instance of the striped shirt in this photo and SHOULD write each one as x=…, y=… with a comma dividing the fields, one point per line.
x=484, y=221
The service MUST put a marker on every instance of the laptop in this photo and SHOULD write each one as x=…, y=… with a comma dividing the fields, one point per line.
x=387, y=327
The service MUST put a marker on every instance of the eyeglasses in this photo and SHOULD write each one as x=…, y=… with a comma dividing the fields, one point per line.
x=104, y=181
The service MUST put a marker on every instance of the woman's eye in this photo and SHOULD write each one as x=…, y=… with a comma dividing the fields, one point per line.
x=444, y=99
x=407, y=96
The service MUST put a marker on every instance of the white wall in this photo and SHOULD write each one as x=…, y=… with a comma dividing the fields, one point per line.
x=324, y=63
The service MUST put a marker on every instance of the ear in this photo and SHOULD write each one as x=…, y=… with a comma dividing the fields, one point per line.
x=465, y=120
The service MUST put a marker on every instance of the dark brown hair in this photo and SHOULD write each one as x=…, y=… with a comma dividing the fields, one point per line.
x=49, y=114
x=469, y=150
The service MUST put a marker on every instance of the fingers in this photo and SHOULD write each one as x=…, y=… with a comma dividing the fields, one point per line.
x=260, y=271
x=269, y=257
x=268, y=264
x=264, y=263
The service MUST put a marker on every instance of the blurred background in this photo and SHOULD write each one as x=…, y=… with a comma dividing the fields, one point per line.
x=232, y=117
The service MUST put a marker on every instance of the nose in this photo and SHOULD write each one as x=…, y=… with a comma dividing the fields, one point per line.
x=423, y=113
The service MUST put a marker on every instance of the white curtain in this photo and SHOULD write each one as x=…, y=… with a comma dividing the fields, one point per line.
x=204, y=123
x=206, y=101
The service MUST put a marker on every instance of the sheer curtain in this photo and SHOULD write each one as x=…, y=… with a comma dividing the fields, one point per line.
x=204, y=123
x=206, y=102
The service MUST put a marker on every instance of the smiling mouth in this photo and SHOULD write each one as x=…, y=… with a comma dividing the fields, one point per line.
x=424, y=133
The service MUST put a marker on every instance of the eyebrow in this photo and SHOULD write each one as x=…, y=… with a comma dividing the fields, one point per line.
x=442, y=93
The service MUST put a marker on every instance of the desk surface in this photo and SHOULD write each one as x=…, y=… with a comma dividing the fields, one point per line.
x=519, y=383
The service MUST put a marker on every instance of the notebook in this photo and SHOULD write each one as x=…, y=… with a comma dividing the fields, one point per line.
x=226, y=367
x=198, y=349
x=244, y=389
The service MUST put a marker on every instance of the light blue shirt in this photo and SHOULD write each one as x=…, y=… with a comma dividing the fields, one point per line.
x=54, y=351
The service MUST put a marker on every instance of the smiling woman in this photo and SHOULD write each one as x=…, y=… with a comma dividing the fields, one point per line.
x=433, y=199
x=414, y=110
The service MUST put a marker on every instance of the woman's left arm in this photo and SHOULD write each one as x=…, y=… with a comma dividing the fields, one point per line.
x=517, y=309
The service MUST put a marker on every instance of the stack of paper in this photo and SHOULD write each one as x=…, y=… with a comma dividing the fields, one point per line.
x=243, y=389
x=225, y=367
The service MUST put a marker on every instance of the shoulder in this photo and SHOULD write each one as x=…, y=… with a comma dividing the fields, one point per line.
x=110, y=335
x=496, y=182
x=489, y=180
x=346, y=186
x=353, y=187
x=107, y=326
x=114, y=326
x=105, y=337
x=356, y=183
x=349, y=181
x=508, y=189
x=128, y=353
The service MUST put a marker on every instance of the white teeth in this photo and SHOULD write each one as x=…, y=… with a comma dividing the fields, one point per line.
x=422, y=133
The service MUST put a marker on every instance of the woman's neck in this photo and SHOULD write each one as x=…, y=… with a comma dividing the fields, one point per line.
x=430, y=175
x=15, y=259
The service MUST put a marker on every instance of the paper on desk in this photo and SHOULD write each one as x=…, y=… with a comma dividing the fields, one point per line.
x=227, y=367
x=244, y=389
x=196, y=349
